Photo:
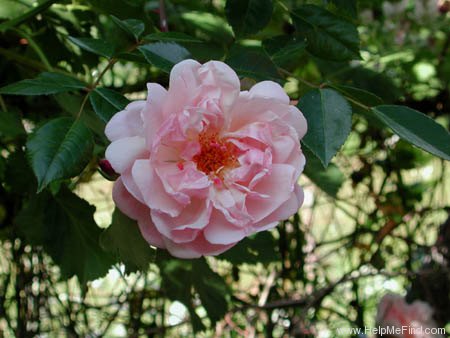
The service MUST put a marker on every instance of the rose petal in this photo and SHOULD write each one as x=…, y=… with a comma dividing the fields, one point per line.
x=221, y=231
x=122, y=152
x=269, y=90
x=126, y=123
x=153, y=114
x=195, y=216
x=152, y=189
x=278, y=185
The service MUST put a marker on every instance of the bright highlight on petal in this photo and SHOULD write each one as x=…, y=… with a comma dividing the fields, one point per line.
x=203, y=164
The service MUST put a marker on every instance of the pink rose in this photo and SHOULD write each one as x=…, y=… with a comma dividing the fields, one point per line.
x=204, y=165
x=415, y=318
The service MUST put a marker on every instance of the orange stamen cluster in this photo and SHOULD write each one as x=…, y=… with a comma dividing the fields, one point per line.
x=215, y=154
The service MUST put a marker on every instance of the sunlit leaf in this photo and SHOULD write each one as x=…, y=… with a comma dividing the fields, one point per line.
x=416, y=128
x=329, y=119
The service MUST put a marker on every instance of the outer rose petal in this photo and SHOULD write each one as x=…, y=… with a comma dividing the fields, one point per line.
x=137, y=211
x=295, y=118
x=126, y=123
x=197, y=248
x=270, y=90
x=285, y=210
x=123, y=152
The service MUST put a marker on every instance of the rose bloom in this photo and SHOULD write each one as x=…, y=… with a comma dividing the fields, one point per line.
x=415, y=317
x=203, y=164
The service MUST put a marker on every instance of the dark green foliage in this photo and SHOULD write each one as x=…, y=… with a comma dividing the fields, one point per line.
x=328, y=36
x=64, y=225
x=44, y=84
x=253, y=63
x=59, y=149
x=164, y=55
x=124, y=240
x=248, y=16
x=370, y=77
x=107, y=102
x=416, y=128
x=329, y=118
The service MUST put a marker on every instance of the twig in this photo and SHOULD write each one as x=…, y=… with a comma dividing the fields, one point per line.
x=163, y=17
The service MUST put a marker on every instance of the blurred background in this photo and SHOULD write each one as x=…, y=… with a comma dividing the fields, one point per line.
x=375, y=221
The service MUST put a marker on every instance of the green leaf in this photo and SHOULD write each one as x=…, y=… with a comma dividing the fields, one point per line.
x=328, y=180
x=248, y=16
x=11, y=9
x=21, y=180
x=258, y=248
x=329, y=119
x=209, y=26
x=107, y=102
x=96, y=46
x=328, y=36
x=65, y=227
x=348, y=7
x=164, y=55
x=284, y=49
x=416, y=128
x=11, y=126
x=176, y=281
x=131, y=26
x=252, y=62
x=180, y=276
x=125, y=241
x=171, y=37
x=25, y=16
x=212, y=290
x=363, y=96
x=61, y=148
x=44, y=84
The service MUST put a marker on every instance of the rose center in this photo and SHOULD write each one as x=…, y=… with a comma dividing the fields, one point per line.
x=215, y=154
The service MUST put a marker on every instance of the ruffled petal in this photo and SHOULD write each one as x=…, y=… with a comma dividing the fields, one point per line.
x=152, y=189
x=269, y=90
x=197, y=248
x=153, y=114
x=194, y=217
x=220, y=231
x=219, y=75
x=284, y=211
x=278, y=185
x=123, y=152
x=126, y=123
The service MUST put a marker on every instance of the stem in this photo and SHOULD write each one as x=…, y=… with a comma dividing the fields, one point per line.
x=309, y=84
x=163, y=16
x=95, y=84
x=2, y=104
x=312, y=85
x=36, y=48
